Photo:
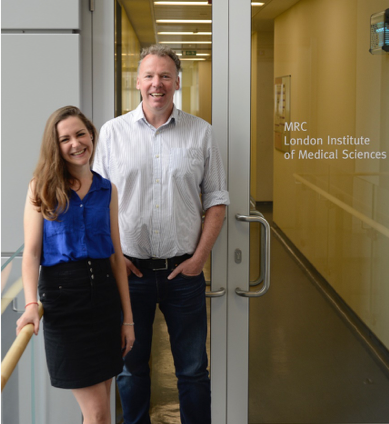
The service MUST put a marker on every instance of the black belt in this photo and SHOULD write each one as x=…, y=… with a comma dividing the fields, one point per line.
x=157, y=264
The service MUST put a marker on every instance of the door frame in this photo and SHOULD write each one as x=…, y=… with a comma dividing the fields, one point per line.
x=231, y=90
x=231, y=47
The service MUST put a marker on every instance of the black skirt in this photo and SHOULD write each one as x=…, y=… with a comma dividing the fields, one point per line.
x=81, y=323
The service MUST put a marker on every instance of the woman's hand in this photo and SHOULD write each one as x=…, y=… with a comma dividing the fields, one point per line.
x=30, y=316
x=128, y=338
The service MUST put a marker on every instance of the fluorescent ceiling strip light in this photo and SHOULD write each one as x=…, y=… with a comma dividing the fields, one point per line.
x=182, y=3
x=193, y=3
x=185, y=33
x=183, y=21
x=197, y=54
x=185, y=42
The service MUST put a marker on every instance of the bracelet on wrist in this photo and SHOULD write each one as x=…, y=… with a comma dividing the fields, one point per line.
x=128, y=323
x=31, y=303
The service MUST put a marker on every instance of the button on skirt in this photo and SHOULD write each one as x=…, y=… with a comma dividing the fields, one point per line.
x=81, y=323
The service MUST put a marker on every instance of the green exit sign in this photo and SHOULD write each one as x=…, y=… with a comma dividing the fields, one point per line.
x=190, y=53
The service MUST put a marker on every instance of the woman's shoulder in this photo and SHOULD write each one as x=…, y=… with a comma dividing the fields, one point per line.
x=32, y=186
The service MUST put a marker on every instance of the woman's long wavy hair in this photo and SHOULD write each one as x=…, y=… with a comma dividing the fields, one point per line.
x=52, y=180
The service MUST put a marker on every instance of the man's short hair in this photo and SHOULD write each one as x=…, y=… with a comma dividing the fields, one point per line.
x=161, y=51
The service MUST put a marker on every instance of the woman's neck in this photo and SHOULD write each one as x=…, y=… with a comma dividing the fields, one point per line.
x=82, y=180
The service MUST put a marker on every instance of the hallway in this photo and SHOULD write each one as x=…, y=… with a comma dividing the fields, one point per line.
x=306, y=365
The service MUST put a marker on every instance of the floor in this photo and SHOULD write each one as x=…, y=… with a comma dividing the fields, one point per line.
x=306, y=365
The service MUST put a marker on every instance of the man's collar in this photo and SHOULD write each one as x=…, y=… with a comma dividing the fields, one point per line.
x=139, y=114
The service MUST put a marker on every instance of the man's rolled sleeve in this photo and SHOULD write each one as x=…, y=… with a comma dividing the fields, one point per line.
x=216, y=198
x=214, y=185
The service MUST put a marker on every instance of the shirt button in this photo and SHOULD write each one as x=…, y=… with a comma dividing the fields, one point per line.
x=157, y=206
x=157, y=156
x=157, y=180
x=156, y=232
x=81, y=206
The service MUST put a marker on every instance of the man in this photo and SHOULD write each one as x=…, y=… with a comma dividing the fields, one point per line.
x=167, y=169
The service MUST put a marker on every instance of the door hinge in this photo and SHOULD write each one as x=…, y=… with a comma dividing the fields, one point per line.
x=91, y=5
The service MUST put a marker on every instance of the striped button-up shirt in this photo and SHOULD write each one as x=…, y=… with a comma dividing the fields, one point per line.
x=165, y=177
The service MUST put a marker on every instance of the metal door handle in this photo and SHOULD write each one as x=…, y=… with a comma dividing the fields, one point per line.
x=217, y=293
x=265, y=259
x=263, y=250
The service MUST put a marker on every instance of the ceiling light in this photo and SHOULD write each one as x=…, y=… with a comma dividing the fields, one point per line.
x=197, y=54
x=193, y=3
x=185, y=42
x=185, y=33
x=183, y=21
x=182, y=3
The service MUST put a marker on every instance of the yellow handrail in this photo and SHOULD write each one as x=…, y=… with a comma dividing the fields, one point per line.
x=369, y=221
x=15, y=352
x=11, y=293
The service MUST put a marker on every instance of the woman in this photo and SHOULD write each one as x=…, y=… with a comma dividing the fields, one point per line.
x=71, y=230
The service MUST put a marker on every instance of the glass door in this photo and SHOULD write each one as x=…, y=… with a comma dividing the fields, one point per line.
x=318, y=341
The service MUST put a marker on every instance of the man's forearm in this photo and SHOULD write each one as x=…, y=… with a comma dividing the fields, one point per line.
x=213, y=222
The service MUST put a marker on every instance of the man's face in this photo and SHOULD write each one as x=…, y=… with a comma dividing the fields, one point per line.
x=157, y=81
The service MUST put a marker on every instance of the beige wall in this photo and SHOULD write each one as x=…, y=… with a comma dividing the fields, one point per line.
x=196, y=89
x=130, y=59
x=205, y=91
x=336, y=211
x=262, y=74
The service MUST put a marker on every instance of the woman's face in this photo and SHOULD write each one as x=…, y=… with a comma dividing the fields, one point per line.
x=75, y=142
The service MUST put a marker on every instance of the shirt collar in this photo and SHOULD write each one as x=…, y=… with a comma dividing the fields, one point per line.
x=98, y=182
x=139, y=115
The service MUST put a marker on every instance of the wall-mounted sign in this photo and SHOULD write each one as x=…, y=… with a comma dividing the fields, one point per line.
x=189, y=53
x=379, y=32
x=282, y=113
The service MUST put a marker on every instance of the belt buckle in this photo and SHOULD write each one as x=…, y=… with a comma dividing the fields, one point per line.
x=166, y=264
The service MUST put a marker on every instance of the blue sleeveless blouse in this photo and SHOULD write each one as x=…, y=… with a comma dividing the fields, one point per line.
x=84, y=230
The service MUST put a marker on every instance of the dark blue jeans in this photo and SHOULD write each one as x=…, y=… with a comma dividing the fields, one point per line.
x=182, y=301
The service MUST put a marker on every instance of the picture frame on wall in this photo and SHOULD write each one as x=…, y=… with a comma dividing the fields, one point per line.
x=282, y=112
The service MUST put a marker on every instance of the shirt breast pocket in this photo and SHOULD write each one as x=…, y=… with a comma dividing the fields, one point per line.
x=99, y=220
x=185, y=162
